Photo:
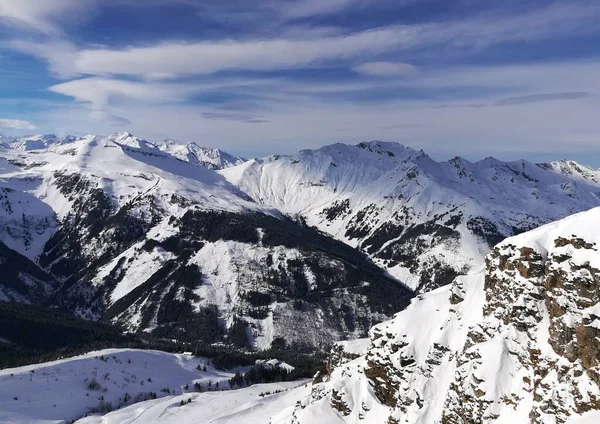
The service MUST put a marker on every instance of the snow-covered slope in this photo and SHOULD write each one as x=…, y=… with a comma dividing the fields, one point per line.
x=137, y=236
x=425, y=221
x=248, y=406
x=38, y=184
x=64, y=390
x=211, y=158
x=516, y=342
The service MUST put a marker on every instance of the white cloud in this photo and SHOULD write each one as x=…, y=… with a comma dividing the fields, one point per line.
x=295, y=115
x=109, y=118
x=306, y=8
x=209, y=57
x=59, y=54
x=174, y=59
x=385, y=69
x=16, y=124
x=45, y=16
x=137, y=82
x=485, y=83
x=99, y=91
x=100, y=94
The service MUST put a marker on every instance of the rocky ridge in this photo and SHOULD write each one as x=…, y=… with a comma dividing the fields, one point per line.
x=516, y=342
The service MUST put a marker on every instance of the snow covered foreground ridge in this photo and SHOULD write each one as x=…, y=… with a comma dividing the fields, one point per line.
x=515, y=343
x=422, y=220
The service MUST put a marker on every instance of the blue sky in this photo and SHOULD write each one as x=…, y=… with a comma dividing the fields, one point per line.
x=473, y=78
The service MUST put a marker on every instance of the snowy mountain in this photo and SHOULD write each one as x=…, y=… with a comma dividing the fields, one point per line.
x=146, y=237
x=516, y=342
x=129, y=233
x=208, y=157
x=36, y=142
x=139, y=234
x=211, y=158
x=424, y=221
x=574, y=170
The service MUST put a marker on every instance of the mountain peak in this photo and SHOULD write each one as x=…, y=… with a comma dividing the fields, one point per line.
x=391, y=149
x=127, y=139
x=214, y=158
x=121, y=135
x=192, y=152
x=573, y=170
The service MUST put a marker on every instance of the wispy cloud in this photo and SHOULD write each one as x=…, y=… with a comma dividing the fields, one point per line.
x=174, y=59
x=16, y=124
x=45, y=16
x=544, y=97
x=58, y=53
x=99, y=91
x=250, y=119
x=285, y=65
x=97, y=94
x=109, y=118
x=385, y=69
x=182, y=58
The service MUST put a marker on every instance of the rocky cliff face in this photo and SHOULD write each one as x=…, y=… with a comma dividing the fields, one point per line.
x=517, y=342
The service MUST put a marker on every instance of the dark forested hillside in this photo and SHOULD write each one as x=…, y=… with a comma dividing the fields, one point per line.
x=30, y=333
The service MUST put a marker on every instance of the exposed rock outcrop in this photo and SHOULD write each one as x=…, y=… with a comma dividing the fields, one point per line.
x=517, y=342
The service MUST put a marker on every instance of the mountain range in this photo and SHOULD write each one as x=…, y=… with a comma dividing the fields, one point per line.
x=423, y=221
x=192, y=243
x=461, y=291
x=115, y=228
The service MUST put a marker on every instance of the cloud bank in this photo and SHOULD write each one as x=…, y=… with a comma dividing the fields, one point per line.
x=16, y=124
